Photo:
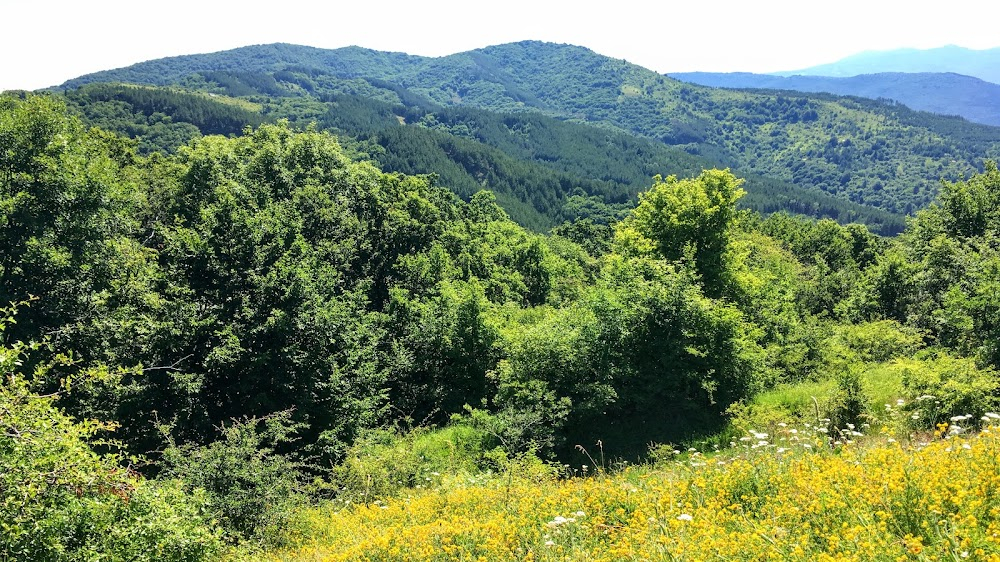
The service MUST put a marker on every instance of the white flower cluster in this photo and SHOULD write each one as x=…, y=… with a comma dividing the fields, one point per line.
x=559, y=520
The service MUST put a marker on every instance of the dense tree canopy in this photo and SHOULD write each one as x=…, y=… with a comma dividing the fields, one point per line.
x=250, y=312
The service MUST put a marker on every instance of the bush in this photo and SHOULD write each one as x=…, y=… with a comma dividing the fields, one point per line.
x=880, y=341
x=160, y=522
x=849, y=403
x=249, y=487
x=61, y=500
x=382, y=462
x=943, y=387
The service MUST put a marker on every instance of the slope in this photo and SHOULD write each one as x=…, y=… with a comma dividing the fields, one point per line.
x=855, y=149
x=544, y=171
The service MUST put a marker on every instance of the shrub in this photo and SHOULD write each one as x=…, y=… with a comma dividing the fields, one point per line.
x=61, y=500
x=160, y=522
x=382, y=462
x=880, y=341
x=943, y=387
x=249, y=487
x=849, y=403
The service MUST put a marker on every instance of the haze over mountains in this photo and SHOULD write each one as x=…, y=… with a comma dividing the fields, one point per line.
x=983, y=64
x=945, y=93
x=947, y=80
x=814, y=148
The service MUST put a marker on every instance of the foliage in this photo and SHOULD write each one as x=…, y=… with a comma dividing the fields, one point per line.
x=64, y=202
x=62, y=500
x=942, y=276
x=161, y=119
x=382, y=463
x=248, y=486
x=679, y=219
x=942, y=388
x=838, y=176
x=849, y=405
x=879, y=341
x=263, y=311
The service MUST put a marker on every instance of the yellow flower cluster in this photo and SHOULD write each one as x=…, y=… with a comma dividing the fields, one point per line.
x=877, y=501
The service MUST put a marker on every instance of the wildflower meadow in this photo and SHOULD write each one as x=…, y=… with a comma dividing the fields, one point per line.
x=794, y=494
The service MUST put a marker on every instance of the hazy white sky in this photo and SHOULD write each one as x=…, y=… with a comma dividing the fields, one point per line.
x=46, y=43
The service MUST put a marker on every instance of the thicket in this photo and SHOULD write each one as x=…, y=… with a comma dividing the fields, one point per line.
x=267, y=319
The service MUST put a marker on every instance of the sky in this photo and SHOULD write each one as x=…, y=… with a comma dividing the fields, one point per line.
x=46, y=43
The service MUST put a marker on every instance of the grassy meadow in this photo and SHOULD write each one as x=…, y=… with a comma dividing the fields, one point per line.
x=798, y=493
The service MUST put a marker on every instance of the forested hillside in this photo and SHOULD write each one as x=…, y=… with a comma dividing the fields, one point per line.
x=262, y=322
x=944, y=93
x=857, y=150
x=161, y=118
x=543, y=171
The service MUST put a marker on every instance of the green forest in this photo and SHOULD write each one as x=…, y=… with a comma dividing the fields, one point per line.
x=543, y=170
x=233, y=317
x=858, y=150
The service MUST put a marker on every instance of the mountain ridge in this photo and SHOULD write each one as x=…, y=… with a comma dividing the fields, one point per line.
x=858, y=150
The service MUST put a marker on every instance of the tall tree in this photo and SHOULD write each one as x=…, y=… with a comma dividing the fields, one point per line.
x=677, y=219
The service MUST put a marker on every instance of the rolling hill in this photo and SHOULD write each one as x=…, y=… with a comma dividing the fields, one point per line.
x=542, y=170
x=857, y=150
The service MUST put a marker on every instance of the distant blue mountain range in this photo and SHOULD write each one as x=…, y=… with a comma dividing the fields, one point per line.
x=944, y=93
x=982, y=64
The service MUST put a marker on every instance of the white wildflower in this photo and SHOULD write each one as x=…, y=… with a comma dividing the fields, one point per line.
x=557, y=521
